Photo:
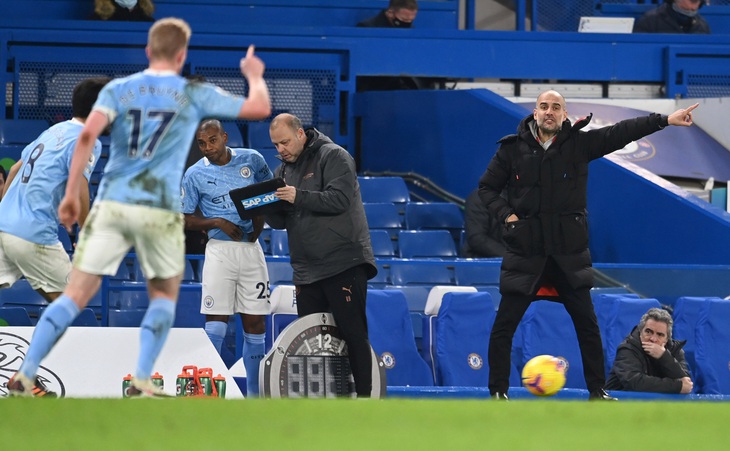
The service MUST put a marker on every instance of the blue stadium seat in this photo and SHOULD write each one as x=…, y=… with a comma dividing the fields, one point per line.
x=548, y=329
x=458, y=339
x=187, y=311
x=65, y=239
x=21, y=131
x=384, y=189
x=712, y=352
x=257, y=134
x=382, y=244
x=128, y=299
x=15, y=316
x=686, y=312
x=383, y=277
x=20, y=294
x=283, y=313
x=265, y=240
x=421, y=273
x=271, y=156
x=86, y=318
x=426, y=244
x=477, y=275
x=126, y=318
x=391, y=336
x=280, y=272
x=235, y=139
x=384, y=215
x=434, y=215
x=617, y=317
x=279, y=243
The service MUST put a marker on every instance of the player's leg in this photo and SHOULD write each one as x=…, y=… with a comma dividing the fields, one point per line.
x=220, y=276
x=160, y=244
x=346, y=293
x=252, y=301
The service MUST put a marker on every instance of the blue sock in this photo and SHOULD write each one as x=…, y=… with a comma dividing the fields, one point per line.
x=153, y=332
x=253, y=353
x=51, y=325
x=216, y=331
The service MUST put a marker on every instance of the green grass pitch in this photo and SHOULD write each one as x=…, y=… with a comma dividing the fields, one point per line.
x=398, y=424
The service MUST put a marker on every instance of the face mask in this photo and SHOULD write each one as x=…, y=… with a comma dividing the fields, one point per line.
x=400, y=24
x=129, y=4
x=685, y=12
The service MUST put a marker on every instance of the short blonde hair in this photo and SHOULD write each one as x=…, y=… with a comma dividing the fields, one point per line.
x=167, y=37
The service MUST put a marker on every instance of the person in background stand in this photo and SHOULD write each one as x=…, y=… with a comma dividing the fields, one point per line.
x=124, y=10
x=483, y=231
x=235, y=276
x=674, y=16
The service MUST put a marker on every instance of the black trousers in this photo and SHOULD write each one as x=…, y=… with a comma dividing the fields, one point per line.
x=579, y=305
x=344, y=296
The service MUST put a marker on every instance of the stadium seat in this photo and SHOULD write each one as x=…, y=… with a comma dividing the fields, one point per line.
x=265, y=240
x=86, y=318
x=384, y=215
x=20, y=294
x=382, y=244
x=457, y=339
x=384, y=189
x=128, y=299
x=21, y=131
x=257, y=134
x=234, y=134
x=426, y=244
x=421, y=273
x=126, y=318
x=686, y=312
x=382, y=278
x=617, y=316
x=283, y=312
x=14, y=316
x=548, y=329
x=712, y=353
x=391, y=336
x=187, y=311
x=280, y=273
x=477, y=275
x=65, y=239
x=279, y=243
x=271, y=156
x=434, y=215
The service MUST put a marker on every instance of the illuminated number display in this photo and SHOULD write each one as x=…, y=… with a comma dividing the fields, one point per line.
x=309, y=360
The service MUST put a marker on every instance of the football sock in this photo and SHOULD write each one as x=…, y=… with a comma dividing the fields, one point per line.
x=216, y=331
x=51, y=325
x=153, y=333
x=253, y=353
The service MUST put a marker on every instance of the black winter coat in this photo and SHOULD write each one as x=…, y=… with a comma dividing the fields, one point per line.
x=547, y=190
x=663, y=19
x=635, y=370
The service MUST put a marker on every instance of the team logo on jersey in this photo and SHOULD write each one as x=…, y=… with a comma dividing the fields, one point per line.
x=245, y=172
x=388, y=360
x=208, y=302
x=475, y=361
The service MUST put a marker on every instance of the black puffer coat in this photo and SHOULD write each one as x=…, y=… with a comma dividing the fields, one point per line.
x=546, y=189
x=634, y=370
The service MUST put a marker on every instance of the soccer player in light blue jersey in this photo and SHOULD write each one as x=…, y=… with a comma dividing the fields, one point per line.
x=154, y=116
x=29, y=244
x=235, y=277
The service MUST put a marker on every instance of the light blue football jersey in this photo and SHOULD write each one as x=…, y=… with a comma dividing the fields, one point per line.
x=154, y=118
x=29, y=210
x=206, y=185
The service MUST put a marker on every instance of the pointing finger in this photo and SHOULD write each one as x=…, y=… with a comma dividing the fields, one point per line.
x=249, y=53
x=689, y=109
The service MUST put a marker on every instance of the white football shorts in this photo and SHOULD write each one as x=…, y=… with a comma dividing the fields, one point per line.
x=112, y=228
x=46, y=267
x=235, y=279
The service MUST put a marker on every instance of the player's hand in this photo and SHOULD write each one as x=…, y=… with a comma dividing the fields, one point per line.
x=287, y=193
x=655, y=350
x=683, y=116
x=68, y=212
x=687, y=385
x=230, y=229
x=511, y=218
x=251, y=65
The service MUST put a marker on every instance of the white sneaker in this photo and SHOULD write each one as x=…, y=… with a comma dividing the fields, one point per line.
x=20, y=385
x=145, y=388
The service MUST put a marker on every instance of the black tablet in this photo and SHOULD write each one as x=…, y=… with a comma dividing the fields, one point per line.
x=257, y=199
